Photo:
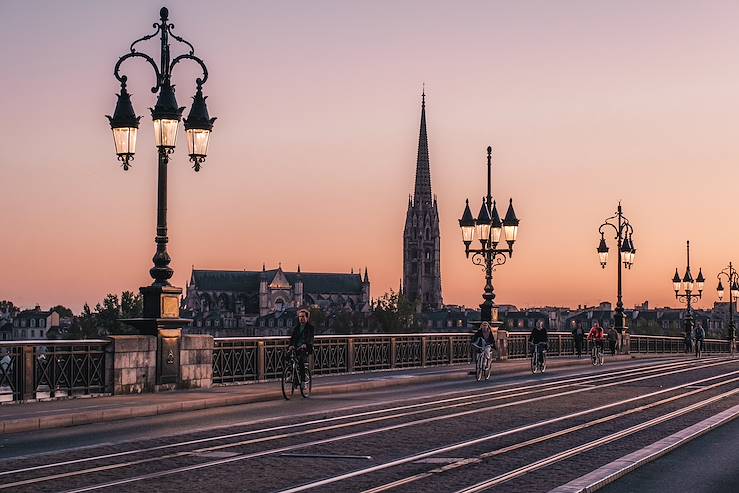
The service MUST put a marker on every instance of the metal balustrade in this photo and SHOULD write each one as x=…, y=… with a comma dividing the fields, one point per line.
x=51, y=369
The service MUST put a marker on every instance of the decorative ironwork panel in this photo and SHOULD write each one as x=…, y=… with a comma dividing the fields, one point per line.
x=330, y=355
x=69, y=369
x=274, y=355
x=717, y=346
x=460, y=348
x=234, y=361
x=517, y=345
x=371, y=353
x=437, y=350
x=408, y=351
x=10, y=373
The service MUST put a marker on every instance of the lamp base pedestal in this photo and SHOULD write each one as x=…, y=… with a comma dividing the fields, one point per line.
x=162, y=319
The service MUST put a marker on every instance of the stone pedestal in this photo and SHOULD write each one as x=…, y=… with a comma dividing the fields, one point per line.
x=196, y=362
x=131, y=364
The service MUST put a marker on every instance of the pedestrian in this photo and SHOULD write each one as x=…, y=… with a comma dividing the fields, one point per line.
x=700, y=337
x=578, y=334
x=612, y=338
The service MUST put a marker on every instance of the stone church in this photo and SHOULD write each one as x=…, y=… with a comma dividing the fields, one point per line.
x=421, y=235
x=221, y=299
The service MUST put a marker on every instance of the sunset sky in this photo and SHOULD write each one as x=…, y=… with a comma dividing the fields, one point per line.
x=313, y=154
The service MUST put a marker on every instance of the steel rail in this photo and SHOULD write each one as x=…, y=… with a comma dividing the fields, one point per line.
x=449, y=448
x=293, y=434
x=370, y=432
x=543, y=438
x=482, y=486
x=550, y=385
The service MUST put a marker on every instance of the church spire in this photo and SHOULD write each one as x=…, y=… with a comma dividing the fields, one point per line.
x=422, y=192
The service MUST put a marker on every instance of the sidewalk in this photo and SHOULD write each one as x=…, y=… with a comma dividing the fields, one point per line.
x=31, y=416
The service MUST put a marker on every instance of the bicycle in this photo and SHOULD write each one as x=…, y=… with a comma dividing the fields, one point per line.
x=596, y=354
x=484, y=361
x=291, y=376
x=538, y=363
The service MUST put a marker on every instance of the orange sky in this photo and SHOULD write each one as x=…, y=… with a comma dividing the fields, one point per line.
x=313, y=153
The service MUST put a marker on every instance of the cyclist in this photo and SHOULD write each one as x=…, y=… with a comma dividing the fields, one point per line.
x=700, y=337
x=539, y=339
x=301, y=340
x=483, y=338
x=598, y=336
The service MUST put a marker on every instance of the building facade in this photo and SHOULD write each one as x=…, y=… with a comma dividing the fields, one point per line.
x=219, y=301
x=421, y=234
x=34, y=324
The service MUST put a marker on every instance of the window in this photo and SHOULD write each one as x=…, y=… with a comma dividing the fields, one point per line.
x=23, y=333
x=41, y=333
x=33, y=322
x=23, y=324
x=33, y=333
x=42, y=323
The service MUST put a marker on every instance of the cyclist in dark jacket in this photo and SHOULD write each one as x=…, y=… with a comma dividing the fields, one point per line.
x=539, y=338
x=301, y=340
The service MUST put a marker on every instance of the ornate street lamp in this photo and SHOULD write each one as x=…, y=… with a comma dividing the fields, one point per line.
x=625, y=245
x=732, y=279
x=490, y=231
x=161, y=299
x=689, y=286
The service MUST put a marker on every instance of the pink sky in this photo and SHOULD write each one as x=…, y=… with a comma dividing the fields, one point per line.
x=313, y=153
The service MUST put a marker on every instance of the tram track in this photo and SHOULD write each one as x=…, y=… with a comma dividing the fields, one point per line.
x=475, y=397
x=369, y=417
x=550, y=436
x=538, y=464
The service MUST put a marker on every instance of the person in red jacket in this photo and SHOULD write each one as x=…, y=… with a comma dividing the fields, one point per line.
x=597, y=335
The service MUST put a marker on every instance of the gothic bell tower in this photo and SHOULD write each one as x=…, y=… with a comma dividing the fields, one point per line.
x=421, y=236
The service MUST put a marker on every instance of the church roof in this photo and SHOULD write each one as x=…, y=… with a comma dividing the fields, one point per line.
x=248, y=281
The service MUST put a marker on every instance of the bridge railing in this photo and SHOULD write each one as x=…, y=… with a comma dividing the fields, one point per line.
x=51, y=369
x=249, y=359
x=48, y=369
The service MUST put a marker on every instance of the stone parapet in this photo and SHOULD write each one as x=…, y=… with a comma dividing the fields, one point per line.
x=131, y=364
x=196, y=361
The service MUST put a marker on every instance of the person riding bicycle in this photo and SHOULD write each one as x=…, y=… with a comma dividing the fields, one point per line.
x=598, y=336
x=482, y=338
x=539, y=339
x=700, y=337
x=301, y=340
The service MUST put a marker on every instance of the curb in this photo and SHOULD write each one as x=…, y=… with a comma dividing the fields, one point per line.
x=619, y=468
x=74, y=418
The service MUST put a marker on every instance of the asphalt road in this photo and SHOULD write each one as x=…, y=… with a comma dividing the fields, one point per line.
x=515, y=432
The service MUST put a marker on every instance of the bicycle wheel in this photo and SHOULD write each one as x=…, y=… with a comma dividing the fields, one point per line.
x=543, y=364
x=488, y=367
x=307, y=385
x=534, y=363
x=479, y=367
x=288, y=387
x=601, y=357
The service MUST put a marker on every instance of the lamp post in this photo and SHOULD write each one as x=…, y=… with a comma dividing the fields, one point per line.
x=627, y=251
x=732, y=279
x=161, y=299
x=490, y=231
x=688, y=286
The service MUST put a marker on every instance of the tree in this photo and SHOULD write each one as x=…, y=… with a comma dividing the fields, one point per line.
x=62, y=310
x=393, y=312
x=8, y=307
